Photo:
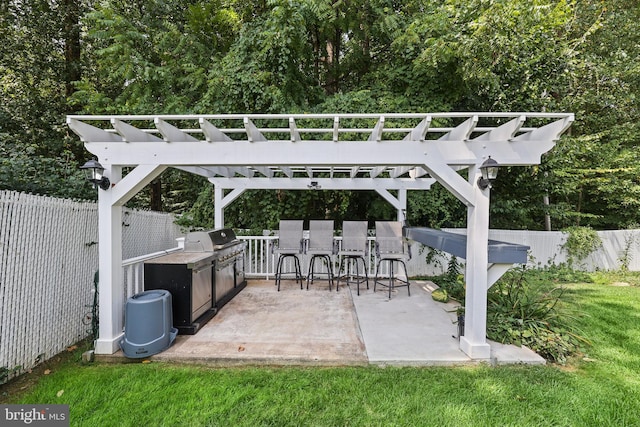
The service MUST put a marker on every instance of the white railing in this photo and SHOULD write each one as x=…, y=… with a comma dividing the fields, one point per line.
x=619, y=248
x=546, y=248
x=261, y=261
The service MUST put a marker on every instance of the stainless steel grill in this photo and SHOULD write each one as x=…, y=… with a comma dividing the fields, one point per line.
x=202, y=278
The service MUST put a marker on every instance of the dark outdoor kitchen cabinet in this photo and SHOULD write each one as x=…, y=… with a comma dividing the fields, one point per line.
x=201, y=278
x=191, y=284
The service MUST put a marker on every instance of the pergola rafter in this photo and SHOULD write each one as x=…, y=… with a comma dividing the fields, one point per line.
x=379, y=152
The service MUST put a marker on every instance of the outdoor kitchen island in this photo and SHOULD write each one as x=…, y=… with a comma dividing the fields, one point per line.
x=202, y=278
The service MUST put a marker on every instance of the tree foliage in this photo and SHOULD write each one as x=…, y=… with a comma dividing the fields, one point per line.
x=227, y=56
x=37, y=68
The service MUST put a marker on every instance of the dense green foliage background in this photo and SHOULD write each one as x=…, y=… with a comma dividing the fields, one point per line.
x=226, y=56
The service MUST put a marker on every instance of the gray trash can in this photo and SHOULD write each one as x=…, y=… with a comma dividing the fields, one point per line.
x=148, y=328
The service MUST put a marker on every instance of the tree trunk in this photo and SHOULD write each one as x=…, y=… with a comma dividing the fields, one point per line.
x=156, y=195
x=547, y=217
x=73, y=68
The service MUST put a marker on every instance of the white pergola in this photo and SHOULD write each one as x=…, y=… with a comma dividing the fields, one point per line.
x=387, y=153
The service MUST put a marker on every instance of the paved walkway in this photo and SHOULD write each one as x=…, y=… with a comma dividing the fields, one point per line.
x=318, y=327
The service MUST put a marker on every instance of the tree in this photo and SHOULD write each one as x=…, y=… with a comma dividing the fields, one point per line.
x=38, y=64
x=204, y=56
x=595, y=173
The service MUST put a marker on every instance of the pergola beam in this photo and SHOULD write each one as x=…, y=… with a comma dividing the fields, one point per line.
x=293, y=129
x=462, y=131
x=171, y=133
x=505, y=132
x=376, y=135
x=419, y=133
x=89, y=133
x=362, y=184
x=253, y=133
x=212, y=133
x=206, y=171
x=132, y=133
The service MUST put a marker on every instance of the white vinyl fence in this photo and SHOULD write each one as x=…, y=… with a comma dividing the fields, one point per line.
x=620, y=248
x=48, y=257
x=49, y=254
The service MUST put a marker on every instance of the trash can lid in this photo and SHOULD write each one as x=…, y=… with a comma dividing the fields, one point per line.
x=151, y=295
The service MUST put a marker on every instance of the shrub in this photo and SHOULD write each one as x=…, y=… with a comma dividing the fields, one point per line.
x=525, y=308
x=440, y=295
x=518, y=314
x=581, y=242
x=452, y=281
x=558, y=273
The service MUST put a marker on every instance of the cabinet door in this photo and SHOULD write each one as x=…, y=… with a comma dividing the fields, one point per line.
x=201, y=291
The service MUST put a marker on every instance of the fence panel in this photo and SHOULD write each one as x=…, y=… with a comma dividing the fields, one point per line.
x=144, y=232
x=48, y=257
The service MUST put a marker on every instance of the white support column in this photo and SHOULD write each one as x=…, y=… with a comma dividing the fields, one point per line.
x=111, y=291
x=474, y=342
x=218, y=209
x=402, y=199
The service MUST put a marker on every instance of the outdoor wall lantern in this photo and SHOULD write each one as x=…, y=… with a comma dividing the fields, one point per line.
x=93, y=171
x=489, y=171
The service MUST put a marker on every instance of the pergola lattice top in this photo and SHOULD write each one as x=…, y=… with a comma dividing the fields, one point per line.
x=320, y=145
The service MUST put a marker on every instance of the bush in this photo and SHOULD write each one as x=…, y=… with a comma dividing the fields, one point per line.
x=452, y=281
x=558, y=273
x=440, y=295
x=525, y=308
x=581, y=242
x=518, y=314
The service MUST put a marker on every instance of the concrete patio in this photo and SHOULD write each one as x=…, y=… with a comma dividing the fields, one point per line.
x=261, y=326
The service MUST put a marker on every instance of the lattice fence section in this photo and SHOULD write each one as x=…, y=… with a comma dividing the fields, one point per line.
x=48, y=257
x=145, y=232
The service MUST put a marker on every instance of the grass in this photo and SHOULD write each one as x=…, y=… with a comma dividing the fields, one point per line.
x=602, y=388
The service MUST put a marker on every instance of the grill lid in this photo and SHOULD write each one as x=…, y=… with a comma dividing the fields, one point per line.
x=208, y=241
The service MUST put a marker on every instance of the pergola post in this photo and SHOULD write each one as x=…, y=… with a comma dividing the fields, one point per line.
x=402, y=199
x=218, y=209
x=110, y=288
x=474, y=342
x=111, y=276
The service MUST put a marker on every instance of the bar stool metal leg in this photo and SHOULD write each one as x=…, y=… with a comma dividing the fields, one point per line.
x=312, y=262
x=393, y=278
x=296, y=265
x=347, y=264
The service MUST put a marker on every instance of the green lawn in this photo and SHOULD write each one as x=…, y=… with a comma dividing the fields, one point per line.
x=600, y=389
